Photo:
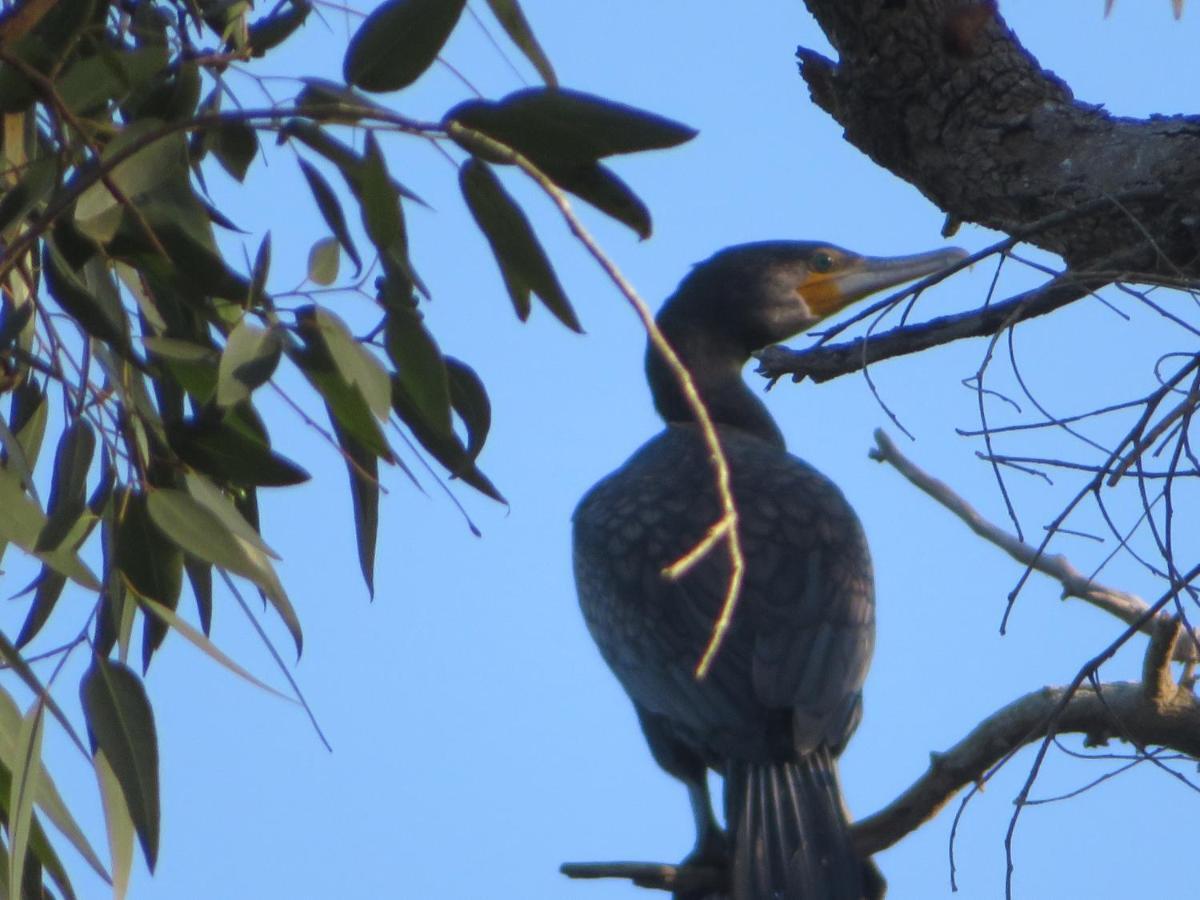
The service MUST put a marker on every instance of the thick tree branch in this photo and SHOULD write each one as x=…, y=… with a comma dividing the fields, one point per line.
x=1162, y=715
x=1122, y=710
x=943, y=94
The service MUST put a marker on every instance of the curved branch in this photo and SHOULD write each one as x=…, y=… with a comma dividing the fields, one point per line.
x=1157, y=713
x=943, y=94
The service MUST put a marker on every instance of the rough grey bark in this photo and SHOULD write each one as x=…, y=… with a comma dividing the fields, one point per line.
x=943, y=94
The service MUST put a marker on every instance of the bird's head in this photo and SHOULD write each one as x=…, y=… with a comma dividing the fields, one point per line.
x=762, y=293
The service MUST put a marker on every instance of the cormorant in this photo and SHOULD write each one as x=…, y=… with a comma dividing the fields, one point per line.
x=783, y=694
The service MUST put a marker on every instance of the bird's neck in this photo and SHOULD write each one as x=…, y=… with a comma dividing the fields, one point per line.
x=715, y=365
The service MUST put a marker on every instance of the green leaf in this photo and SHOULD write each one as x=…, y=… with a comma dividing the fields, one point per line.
x=118, y=823
x=397, y=42
x=262, y=267
x=49, y=585
x=523, y=263
x=72, y=292
x=323, y=261
x=553, y=126
x=271, y=31
x=383, y=217
x=446, y=448
x=218, y=503
x=329, y=101
x=198, y=531
x=508, y=13
x=98, y=213
x=419, y=366
x=349, y=163
x=16, y=662
x=168, y=617
x=599, y=186
x=68, y=488
x=331, y=211
x=121, y=723
x=231, y=455
x=470, y=400
x=93, y=80
x=26, y=765
x=21, y=522
x=27, y=194
x=234, y=144
x=250, y=358
x=47, y=796
x=344, y=401
x=200, y=577
x=27, y=427
x=363, y=468
x=356, y=364
x=151, y=564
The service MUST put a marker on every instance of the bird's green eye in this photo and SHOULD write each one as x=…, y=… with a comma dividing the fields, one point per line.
x=820, y=262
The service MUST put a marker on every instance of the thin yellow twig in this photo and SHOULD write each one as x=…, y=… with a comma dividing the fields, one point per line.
x=727, y=525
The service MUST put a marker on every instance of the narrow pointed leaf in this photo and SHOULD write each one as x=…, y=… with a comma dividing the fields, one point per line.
x=522, y=261
x=15, y=661
x=510, y=16
x=331, y=211
x=68, y=488
x=600, y=186
x=470, y=401
x=118, y=823
x=419, y=366
x=26, y=766
x=363, y=468
x=356, y=364
x=262, y=267
x=397, y=42
x=46, y=796
x=565, y=127
x=21, y=522
x=198, y=531
x=169, y=618
x=121, y=723
x=200, y=577
x=218, y=503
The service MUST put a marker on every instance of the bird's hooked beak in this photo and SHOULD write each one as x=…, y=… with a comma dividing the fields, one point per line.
x=836, y=278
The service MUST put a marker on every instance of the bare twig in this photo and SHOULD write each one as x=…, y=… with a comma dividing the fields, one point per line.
x=1127, y=607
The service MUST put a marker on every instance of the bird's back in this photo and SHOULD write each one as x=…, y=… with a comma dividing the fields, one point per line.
x=788, y=676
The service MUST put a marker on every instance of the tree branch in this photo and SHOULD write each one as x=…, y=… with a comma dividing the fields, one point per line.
x=1128, y=711
x=1129, y=608
x=943, y=94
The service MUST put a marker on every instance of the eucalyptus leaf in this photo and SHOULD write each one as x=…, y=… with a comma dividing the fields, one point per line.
x=331, y=211
x=510, y=16
x=249, y=360
x=323, y=261
x=121, y=724
x=398, y=41
x=523, y=263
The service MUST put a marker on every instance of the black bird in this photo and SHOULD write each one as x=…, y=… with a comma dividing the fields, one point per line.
x=783, y=695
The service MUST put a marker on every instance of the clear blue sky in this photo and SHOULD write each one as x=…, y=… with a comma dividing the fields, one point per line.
x=479, y=741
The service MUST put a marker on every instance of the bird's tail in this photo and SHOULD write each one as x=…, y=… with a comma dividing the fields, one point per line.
x=791, y=837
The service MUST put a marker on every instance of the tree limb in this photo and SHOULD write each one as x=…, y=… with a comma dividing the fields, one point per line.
x=1124, y=710
x=943, y=94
